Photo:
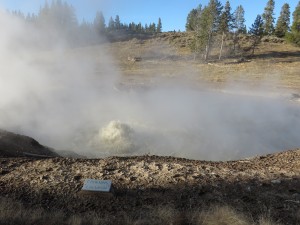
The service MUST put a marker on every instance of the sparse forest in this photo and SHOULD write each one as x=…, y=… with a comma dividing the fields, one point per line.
x=59, y=16
x=215, y=25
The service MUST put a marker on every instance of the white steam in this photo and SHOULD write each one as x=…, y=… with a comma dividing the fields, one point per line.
x=69, y=99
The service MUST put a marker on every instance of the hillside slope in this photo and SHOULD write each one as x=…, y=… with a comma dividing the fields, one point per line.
x=15, y=145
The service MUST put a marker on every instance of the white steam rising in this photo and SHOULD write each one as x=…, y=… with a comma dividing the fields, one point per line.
x=66, y=99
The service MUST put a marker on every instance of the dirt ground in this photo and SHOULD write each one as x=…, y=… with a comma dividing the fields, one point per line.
x=265, y=185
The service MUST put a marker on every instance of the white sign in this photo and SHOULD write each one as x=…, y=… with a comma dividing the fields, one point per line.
x=97, y=185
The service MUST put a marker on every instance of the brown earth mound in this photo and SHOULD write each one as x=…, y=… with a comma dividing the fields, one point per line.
x=265, y=185
x=15, y=145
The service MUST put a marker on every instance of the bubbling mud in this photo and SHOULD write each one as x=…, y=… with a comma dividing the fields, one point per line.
x=117, y=138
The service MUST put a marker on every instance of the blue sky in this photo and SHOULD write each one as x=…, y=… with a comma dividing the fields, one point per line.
x=172, y=12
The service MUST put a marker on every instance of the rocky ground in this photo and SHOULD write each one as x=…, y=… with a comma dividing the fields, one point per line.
x=265, y=185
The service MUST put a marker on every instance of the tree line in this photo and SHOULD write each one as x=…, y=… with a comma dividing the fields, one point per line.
x=217, y=23
x=60, y=16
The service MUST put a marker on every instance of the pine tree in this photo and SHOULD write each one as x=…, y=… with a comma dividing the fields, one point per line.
x=193, y=19
x=239, y=20
x=295, y=29
x=190, y=20
x=257, y=31
x=152, y=28
x=296, y=19
x=43, y=15
x=111, y=24
x=206, y=27
x=268, y=18
x=202, y=32
x=31, y=18
x=159, y=26
x=99, y=23
x=146, y=28
x=139, y=27
x=226, y=24
x=239, y=26
x=215, y=8
x=283, y=22
x=117, y=24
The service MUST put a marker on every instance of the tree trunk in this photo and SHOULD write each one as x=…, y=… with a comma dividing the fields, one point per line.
x=255, y=43
x=234, y=43
x=208, y=46
x=222, y=43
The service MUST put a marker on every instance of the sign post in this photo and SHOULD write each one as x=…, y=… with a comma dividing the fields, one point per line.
x=102, y=187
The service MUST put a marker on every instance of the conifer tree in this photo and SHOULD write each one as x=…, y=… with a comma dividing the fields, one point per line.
x=268, y=18
x=159, y=26
x=239, y=20
x=117, y=24
x=226, y=24
x=283, y=22
x=215, y=7
x=139, y=27
x=99, y=23
x=193, y=19
x=190, y=21
x=208, y=26
x=146, y=28
x=202, y=32
x=295, y=29
x=296, y=19
x=111, y=24
x=257, y=31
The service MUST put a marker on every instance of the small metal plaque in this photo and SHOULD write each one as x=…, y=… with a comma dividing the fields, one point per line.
x=97, y=185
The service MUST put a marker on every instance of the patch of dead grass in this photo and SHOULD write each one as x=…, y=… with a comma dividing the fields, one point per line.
x=15, y=213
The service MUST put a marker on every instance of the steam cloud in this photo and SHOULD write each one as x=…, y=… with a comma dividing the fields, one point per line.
x=67, y=99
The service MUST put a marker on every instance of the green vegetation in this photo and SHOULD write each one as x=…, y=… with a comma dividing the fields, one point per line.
x=283, y=22
x=257, y=31
x=206, y=25
x=214, y=25
x=268, y=19
x=60, y=17
x=239, y=20
x=294, y=35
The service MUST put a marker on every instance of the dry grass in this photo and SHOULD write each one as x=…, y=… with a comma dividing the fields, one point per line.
x=267, y=221
x=222, y=216
x=169, y=56
x=14, y=213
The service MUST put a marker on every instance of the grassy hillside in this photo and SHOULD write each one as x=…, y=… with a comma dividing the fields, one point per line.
x=168, y=55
